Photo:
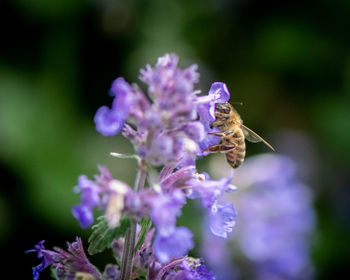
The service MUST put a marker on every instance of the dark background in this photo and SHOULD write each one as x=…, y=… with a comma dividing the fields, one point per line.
x=287, y=61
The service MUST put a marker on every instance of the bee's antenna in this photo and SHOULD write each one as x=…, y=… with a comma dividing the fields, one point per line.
x=239, y=103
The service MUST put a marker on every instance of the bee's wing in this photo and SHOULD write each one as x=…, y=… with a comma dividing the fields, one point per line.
x=253, y=137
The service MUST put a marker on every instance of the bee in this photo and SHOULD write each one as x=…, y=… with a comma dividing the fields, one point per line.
x=232, y=133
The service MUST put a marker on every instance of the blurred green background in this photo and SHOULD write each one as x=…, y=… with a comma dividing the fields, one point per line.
x=287, y=61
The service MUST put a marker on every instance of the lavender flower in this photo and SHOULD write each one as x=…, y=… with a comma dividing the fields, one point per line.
x=177, y=244
x=218, y=93
x=105, y=192
x=67, y=264
x=164, y=211
x=275, y=218
x=165, y=131
x=111, y=272
x=167, y=128
x=184, y=268
x=209, y=190
x=110, y=121
x=222, y=220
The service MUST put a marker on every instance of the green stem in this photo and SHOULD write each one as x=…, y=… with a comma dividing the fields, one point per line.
x=129, y=245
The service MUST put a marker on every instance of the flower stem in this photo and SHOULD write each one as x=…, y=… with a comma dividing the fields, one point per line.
x=128, y=252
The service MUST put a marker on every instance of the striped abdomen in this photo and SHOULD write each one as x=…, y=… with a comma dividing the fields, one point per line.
x=236, y=155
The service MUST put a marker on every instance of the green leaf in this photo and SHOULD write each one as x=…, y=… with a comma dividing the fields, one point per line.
x=102, y=235
x=53, y=273
x=141, y=276
x=145, y=226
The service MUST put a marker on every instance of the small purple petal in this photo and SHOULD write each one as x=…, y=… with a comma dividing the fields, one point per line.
x=37, y=270
x=191, y=74
x=203, y=273
x=177, y=179
x=49, y=257
x=107, y=122
x=222, y=220
x=209, y=190
x=83, y=214
x=175, y=245
x=165, y=209
x=122, y=90
x=168, y=61
x=111, y=272
x=161, y=150
x=195, y=131
x=220, y=92
x=206, y=112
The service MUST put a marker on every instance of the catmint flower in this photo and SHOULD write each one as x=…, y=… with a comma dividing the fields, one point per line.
x=105, y=193
x=176, y=244
x=218, y=255
x=209, y=190
x=168, y=124
x=49, y=257
x=111, y=272
x=218, y=93
x=222, y=220
x=110, y=121
x=184, y=268
x=165, y=120
x=67, y=264
x=165, y=209
x=89, y=199
x=275, y=219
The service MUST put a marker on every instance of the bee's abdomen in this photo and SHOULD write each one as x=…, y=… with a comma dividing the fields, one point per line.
x=235, y=159
x=236, y=156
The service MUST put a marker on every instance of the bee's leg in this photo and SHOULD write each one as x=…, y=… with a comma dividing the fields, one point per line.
x=219, y=148
x=220, y=115
x=217, y=123
x=233, y=134
x=219, y=134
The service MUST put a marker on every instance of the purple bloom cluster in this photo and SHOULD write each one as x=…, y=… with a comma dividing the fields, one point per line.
x=66, y=264
x=275, y=220
x=180, y=268
x=162, y=202
x=163, y=125
x=169, y=128
x=105, y=192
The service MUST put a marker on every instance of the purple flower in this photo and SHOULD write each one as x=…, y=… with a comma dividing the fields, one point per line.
x=209, y=190
x=184, y=268
x=275, y=219
x=168, y=126
x=177, y=244
x=176, y=180
x=165, y=209
x=166, y=78
x=222, y=220
x=218, y=93
x=83, y=214
x=49, y=257
x=111, y=272
x=218, y=255
x=105, y=193
x=66, y=263
x=199, y=273
x=110, y=121
x=166, y=119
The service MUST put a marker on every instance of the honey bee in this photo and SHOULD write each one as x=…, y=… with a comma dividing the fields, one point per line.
x=232, y=133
